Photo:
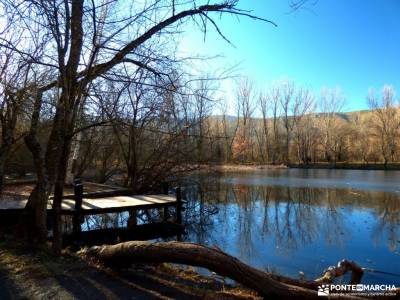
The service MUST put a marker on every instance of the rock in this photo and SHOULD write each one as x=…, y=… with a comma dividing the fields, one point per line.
x=301, y=275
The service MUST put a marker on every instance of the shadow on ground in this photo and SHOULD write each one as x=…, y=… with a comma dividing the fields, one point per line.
x=24, y=275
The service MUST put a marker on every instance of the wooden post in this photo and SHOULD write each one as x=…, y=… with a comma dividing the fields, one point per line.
x=132, y=221
x=178, y=205
x=78, y=195
x=165, y=209
x=165, y=188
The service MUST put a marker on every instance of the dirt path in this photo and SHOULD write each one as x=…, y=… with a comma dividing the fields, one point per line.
x=24, y=275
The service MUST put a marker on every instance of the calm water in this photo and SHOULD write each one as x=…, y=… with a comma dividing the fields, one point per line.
x=301, y=220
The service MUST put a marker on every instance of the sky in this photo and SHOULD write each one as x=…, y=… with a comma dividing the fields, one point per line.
x=350, y=44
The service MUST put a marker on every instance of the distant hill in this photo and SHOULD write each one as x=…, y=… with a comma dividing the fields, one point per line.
x=347, y=116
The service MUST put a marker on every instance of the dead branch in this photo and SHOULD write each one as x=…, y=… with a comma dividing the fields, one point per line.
x=267, y=284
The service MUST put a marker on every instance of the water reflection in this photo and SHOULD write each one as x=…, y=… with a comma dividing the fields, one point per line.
x=115, y=220
x=296, y=228
x=290, y=221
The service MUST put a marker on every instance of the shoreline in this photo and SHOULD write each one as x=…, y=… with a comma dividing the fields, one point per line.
x=237, y=168
x=348, y=166
x=232, y=168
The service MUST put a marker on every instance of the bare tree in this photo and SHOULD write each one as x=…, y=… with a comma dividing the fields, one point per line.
x=363, y=143
x=264, y=103
x=275, y=95
x=286, y=101
x=203, y=102
x=90, y=40
x=304, y=130
x=331, y=104
x=226, y=128
x=386, y=121
x=242, y=146
x=14, y=91
x=17, y=84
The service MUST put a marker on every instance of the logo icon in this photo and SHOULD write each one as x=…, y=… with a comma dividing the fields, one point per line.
x=323, y=290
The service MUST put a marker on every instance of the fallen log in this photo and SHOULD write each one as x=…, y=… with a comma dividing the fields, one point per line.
x=268, y=285
x=342, y=268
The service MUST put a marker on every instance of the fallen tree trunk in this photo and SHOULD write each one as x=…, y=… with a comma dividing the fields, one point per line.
x=268, y=285
x=342, y=268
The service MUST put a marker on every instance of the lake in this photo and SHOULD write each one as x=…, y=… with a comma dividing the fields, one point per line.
x=293, y=220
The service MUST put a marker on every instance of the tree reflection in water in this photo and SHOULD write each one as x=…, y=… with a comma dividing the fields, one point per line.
x=263, y=223
x=292, y=228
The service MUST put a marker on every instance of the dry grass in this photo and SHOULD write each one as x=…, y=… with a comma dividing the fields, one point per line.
x=236, y=168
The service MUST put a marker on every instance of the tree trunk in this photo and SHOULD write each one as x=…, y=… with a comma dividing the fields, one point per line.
x=287, y=148
x=34, y=218
x=268, y=285
x=3, y=157
x=59, y=188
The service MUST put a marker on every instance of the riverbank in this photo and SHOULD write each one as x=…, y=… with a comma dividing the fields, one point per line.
x=40, y=275
x=238, y=168
x=348, y=166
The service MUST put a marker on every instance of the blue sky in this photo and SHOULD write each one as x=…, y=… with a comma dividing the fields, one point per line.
x=351, y=44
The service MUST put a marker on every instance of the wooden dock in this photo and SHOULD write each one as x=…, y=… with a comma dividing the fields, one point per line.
x=79, y=204
x=101, y=205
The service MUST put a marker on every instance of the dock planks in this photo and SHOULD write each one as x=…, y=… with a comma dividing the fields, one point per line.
x=101, y=205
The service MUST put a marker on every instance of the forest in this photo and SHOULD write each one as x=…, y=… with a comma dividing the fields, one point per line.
x=98, y=90
x=83, y=96
x=141, y=136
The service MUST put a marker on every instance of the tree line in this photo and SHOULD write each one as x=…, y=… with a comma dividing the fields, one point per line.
x=139, y=134
x=288, y=124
